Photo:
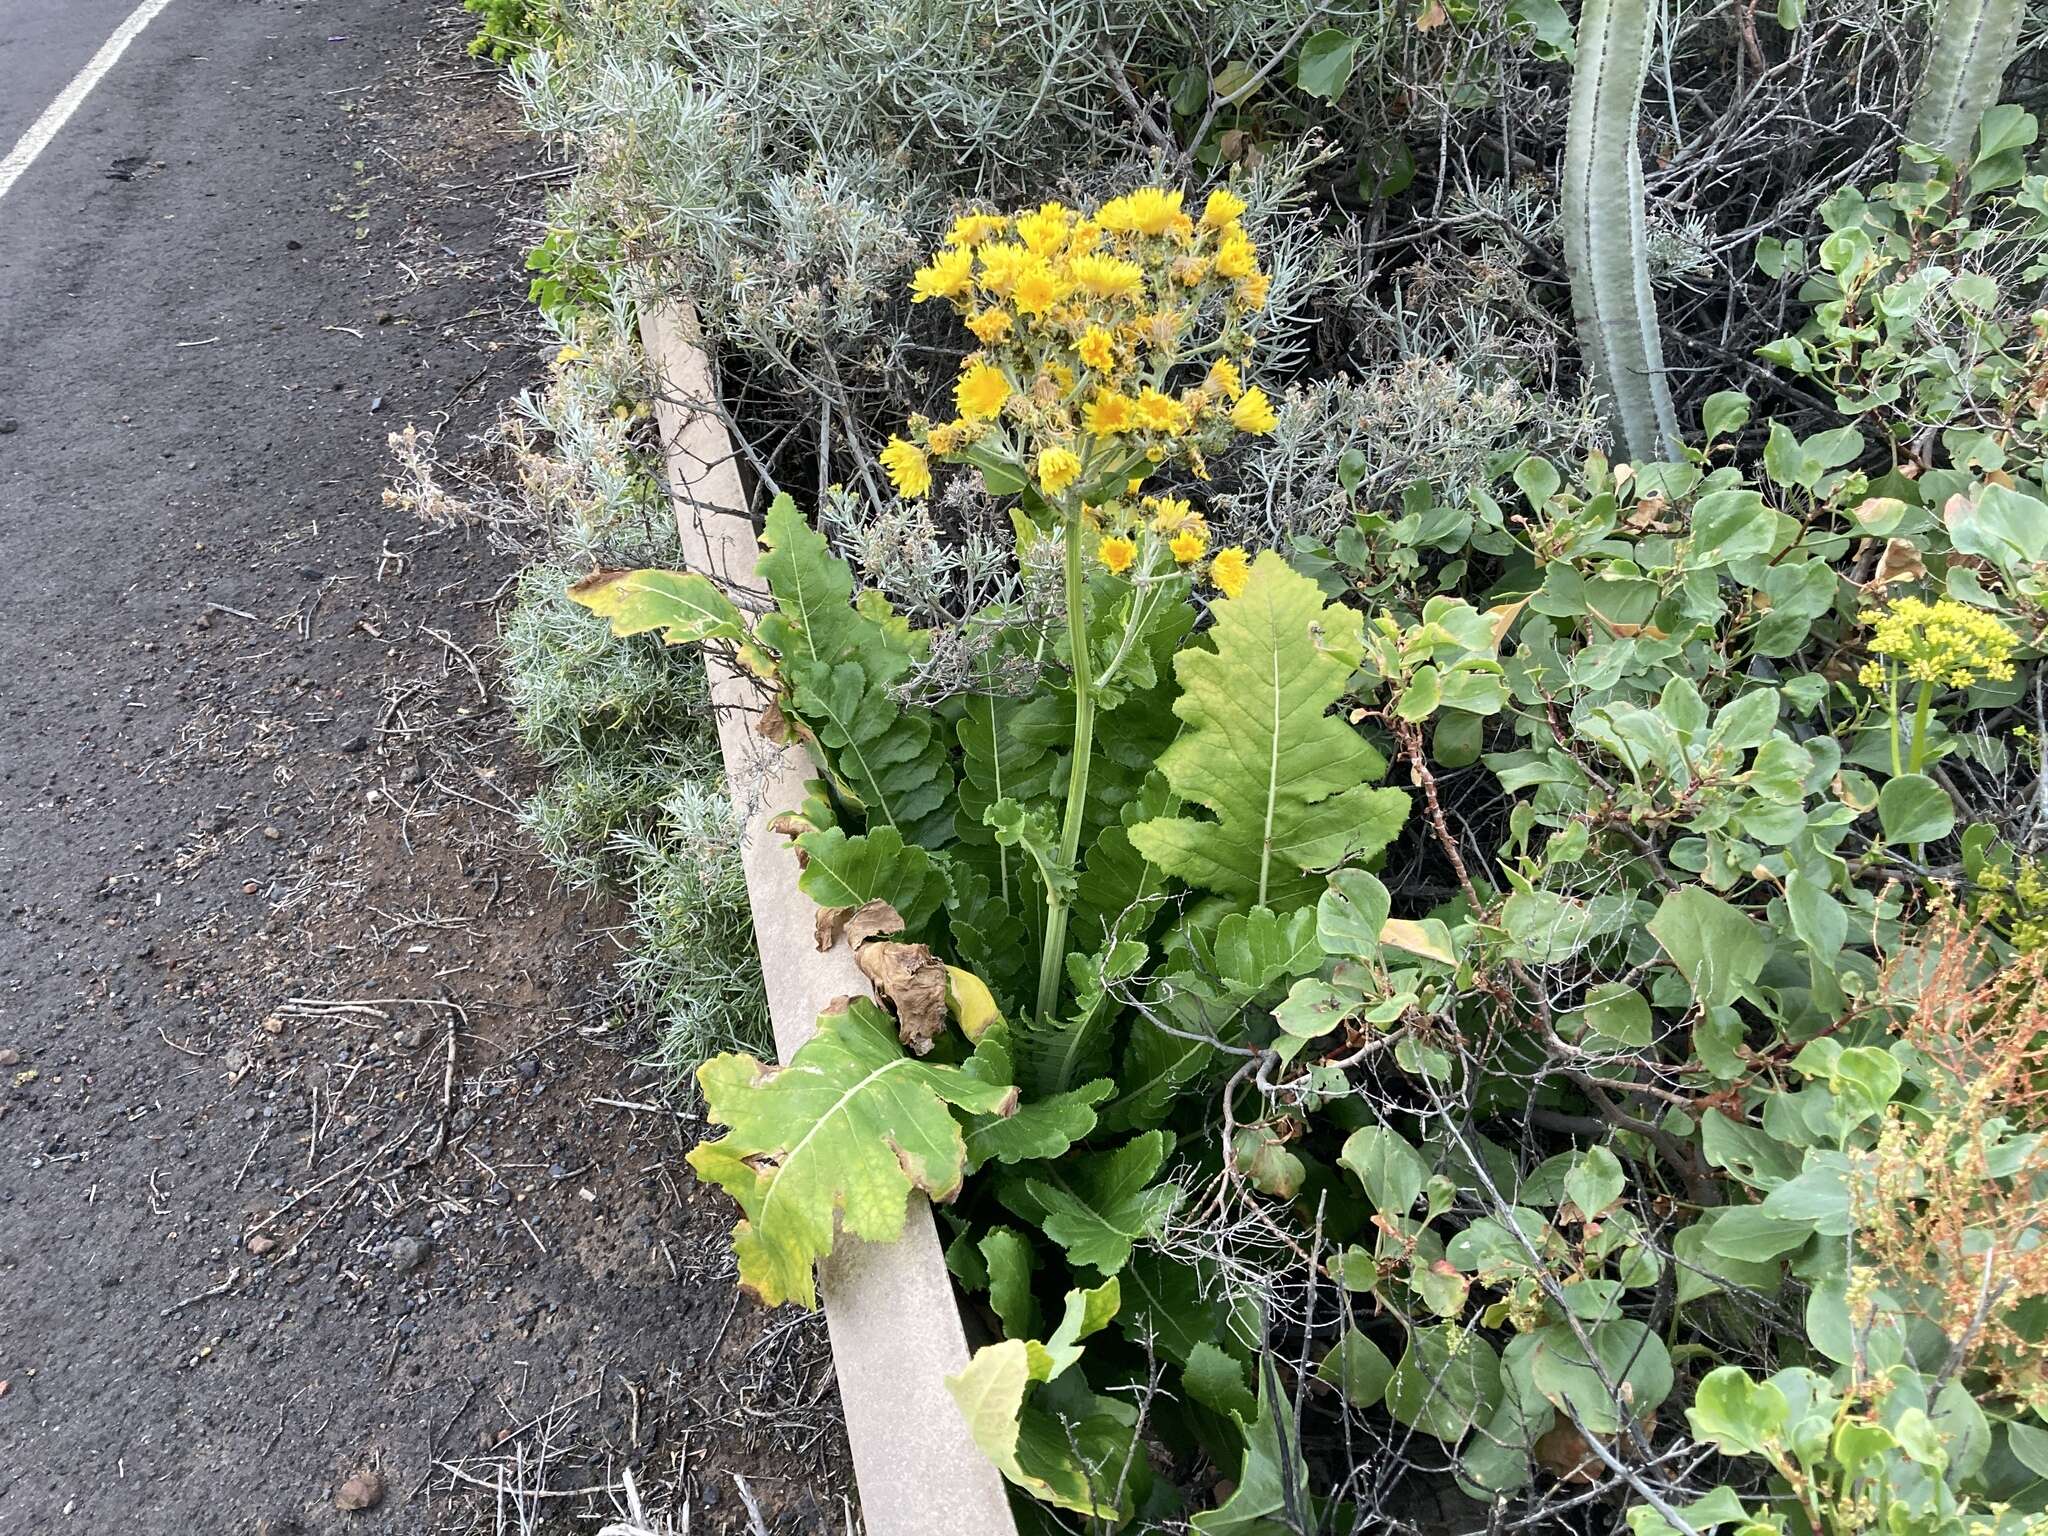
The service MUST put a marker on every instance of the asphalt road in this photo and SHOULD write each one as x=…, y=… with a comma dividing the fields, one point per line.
x=246, y=259
x=43, y=43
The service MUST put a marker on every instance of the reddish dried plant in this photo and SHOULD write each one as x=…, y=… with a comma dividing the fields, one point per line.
x=1951, y=1205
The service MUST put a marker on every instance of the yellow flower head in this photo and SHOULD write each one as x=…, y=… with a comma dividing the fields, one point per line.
x=1236, y=256
x=1943, y=641
x=1109, y=415
x=1223, y=209
x=1160, y=413
x=1107, y=277
x=1169, y=513
x=1253, y=413
x=950, y=274
x=1117, y=553
x=981, y=391
x=1230, y=570
x=1871, y=674
x=991, y=327
x=1059, y=377
x=1058, y=468
x=1147, y=211
x=569, y=354
x=1038, y=287
x=1001, y=265
x=1188, y=546
x=972, y=229
x=1045, y=231
x=909, y=470
x=1130, y=323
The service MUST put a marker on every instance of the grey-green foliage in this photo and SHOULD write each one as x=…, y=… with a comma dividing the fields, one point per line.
x=1604, y=240
x=578, y=693
x=692, y=969
x=1971, y=44
x=633, y=803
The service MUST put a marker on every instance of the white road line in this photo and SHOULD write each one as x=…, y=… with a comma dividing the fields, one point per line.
x=44, y=128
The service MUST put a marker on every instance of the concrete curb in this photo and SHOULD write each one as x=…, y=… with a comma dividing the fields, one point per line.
x=890, y=1311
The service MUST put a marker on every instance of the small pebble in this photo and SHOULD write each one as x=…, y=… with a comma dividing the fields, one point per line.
x=363, y=1490
x=408, y=1252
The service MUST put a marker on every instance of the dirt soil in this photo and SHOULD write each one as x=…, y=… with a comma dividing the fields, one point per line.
x=325, y=1179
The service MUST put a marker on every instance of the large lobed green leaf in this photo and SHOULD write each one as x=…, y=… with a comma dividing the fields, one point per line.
x=840, y=662
x=1288, y=785
x=848, y=1129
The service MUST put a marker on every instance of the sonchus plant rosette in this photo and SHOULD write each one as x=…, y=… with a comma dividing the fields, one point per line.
x=1017, y=871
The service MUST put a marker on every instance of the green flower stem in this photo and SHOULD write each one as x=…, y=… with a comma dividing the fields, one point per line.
x=1921, y=709
x=1052, y=958
x=1891, y=706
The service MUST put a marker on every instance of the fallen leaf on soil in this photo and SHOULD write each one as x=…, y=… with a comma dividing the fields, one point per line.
x=363, y=1490
x=869, y=920
x=912, y=981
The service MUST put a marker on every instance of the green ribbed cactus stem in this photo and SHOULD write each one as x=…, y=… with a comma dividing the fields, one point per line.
x=1968, y=51
x=1603, y=227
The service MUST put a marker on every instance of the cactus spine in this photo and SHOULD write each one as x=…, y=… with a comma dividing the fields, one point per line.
x=1612, y=303
x=1968, y=50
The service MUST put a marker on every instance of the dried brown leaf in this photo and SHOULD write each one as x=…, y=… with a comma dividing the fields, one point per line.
x=869, y=920
x=1900, y=562
x=911, y=981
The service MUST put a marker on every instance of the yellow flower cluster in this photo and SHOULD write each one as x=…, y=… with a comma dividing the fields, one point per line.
x=1945, y=643
x=1112, y=343
x=2017, y=905
x=1166, y=533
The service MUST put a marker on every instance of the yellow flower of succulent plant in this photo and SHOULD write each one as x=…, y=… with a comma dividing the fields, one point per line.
x=1937, y=645
x=1943, y=642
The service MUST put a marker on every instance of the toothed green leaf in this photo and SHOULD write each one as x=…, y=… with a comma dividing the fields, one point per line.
x=1289, y=786
x=847, y=1130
